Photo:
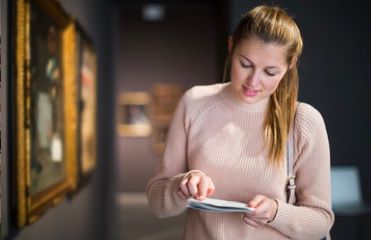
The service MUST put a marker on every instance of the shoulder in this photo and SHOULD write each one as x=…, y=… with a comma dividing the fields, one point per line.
x=200, y=98
x=200, y=95
x=309, y=120
x=200, y=92
x=308, y=113
x=312, y=145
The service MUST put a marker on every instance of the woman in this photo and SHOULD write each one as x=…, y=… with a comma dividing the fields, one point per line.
x=228, y=141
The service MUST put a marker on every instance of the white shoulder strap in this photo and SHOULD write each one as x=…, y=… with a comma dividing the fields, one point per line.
x=290, y=166
x=290, y=169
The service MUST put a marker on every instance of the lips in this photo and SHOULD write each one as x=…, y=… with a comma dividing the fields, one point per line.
x=249, y=92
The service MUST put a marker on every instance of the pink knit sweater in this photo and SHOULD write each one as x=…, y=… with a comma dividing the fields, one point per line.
x=215, y=132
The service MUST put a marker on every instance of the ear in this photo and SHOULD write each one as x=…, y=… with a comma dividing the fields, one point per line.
x=230, y=44
x=293, y=62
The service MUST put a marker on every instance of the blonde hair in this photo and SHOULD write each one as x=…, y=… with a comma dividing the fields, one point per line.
x=273, y=25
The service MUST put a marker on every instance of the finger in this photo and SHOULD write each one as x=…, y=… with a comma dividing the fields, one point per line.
x=193, y=185
x=260, y=221
x=181, y=195
x=255, y=201
x=263, y=207
x=211, y=189
x=203, y=186
x=251, y=222
x=184, y=189
x=253, y=215
x=184, y=181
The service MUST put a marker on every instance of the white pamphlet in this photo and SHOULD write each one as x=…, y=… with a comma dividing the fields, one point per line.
x=218, y=205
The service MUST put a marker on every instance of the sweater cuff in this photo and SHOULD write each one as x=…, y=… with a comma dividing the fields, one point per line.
x=283, y=214
x=173, y=188
x=275, y=214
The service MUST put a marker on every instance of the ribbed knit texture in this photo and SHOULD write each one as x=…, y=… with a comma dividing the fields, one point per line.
x=217, y=133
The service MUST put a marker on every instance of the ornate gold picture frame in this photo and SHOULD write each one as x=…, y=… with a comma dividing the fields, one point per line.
x=133, y=114
x=87, y=85
x=46, y=110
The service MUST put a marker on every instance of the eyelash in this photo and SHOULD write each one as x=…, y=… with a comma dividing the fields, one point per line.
x=270, y=74
x=245, y=66
x=249, y=66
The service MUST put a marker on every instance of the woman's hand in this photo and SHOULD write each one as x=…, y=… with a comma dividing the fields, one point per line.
x=196, y=184
x=265, y=211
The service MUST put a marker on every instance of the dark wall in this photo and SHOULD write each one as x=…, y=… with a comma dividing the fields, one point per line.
x=181, y=49
x=87, y=215
x=334, y=73
x=335, y=78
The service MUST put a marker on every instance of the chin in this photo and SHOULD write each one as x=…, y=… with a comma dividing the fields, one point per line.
x=249, y=100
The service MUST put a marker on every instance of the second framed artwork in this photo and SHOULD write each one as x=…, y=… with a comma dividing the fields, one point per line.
x=165, y=97
x=133, y=114
x=143, y=114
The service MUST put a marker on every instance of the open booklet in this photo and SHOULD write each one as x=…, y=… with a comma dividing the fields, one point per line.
x=218, y=205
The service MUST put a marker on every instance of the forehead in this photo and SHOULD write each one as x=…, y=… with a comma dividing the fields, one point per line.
x=262, y=53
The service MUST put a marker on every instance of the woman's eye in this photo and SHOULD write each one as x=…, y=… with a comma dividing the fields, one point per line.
x=270, y=74
x=245, y=65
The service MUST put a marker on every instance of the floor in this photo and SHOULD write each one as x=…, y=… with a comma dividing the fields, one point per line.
x=135, y=220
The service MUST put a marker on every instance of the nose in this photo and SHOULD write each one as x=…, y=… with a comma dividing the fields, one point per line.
x=253, y=79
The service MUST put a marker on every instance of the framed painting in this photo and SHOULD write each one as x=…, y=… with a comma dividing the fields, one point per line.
x=165, y=97
x=160, y=129
x=46, y=111
x=133, y=114
x=87, y=82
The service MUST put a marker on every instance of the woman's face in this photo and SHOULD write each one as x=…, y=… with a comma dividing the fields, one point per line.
x=257, y=68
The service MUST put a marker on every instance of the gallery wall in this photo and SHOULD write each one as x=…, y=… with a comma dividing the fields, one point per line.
x=334, y=78
x=4, y=211
x=87, y=214
x=183, y=49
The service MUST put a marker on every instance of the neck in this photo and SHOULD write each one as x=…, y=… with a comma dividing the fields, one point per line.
x=229, y=94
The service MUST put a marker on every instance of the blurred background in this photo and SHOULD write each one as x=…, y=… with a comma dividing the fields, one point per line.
x=149, y=46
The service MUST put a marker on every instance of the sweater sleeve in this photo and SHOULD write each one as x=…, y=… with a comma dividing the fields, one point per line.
x=162, y=188
x=311, y=217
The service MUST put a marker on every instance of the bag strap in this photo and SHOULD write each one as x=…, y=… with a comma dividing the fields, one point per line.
x=291, y=186
x=290, y=166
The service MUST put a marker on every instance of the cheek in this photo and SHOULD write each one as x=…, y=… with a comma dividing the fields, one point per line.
x=238, y=74
x=270, y=85
x=233, y=67
x=235, y=76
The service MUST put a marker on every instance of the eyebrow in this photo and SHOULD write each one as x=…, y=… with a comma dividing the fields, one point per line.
x=274, y=67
